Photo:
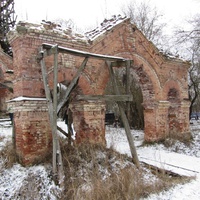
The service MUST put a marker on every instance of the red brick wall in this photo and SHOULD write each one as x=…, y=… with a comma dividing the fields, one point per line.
x=88, y=119
x=155, y=74
x=33, y=139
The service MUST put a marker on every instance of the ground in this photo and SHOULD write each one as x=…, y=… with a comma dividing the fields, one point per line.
x=180, y=158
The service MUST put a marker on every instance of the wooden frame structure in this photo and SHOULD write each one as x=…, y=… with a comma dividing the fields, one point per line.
x=54, y=108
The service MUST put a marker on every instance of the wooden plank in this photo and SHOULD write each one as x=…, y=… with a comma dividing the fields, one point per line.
x=54, y=113
x=57, y=158
x=76, y=52
x=62, y=131
x=56, y=150
x=128, y=88
x=118, y=64
x=72, y=84
x=105, y=97
x=49, y=105
x=124, y=118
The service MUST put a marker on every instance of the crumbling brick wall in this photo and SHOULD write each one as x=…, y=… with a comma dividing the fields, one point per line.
x=156, y=74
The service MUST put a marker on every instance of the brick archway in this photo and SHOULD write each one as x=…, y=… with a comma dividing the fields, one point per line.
x=156, y=74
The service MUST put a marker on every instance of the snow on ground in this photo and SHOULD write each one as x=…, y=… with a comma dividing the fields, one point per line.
x=5, y=132
x=185, y=162
x=179, y=157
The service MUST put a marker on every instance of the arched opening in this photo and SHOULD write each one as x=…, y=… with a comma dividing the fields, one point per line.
x=134, y=108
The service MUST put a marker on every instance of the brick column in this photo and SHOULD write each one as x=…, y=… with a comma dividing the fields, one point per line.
x=32, y=133
x=179, y=121
x=162, y=121
x=184, y=117
x=89, y=121
x=31, y=122
x=150, y=134
x=156, y=121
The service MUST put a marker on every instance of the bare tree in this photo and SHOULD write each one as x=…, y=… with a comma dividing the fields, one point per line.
x=191, y=39
x=147, y=19
x=7, y=21
x=194, y=81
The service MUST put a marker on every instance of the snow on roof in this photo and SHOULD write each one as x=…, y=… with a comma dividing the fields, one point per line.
x=84, y=53
x=106, y=25
x=51, y=27
x=21, y=98
x=69, y=33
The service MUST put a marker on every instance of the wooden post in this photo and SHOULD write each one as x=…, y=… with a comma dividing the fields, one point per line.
x=124, y=118
x=105, y=97
x=128, y=64
x=52, y=109
x=57, y=156
x=54, y=122
x=49, y=105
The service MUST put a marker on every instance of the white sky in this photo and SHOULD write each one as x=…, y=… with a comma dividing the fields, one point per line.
x=85, y=13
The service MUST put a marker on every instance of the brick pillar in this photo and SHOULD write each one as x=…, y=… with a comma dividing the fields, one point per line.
x=150, y=134
x=156, y=121
x=89, y=121
x=31, y=122
x=184, y=117
x=32, y=133
x=162, y=121
x=179, y=121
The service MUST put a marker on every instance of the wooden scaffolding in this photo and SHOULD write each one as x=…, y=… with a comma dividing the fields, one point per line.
x=54, y=107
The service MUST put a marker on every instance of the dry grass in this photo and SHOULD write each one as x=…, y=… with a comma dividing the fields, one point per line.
x=7, y=156
x=94, y=173
x=185, y=138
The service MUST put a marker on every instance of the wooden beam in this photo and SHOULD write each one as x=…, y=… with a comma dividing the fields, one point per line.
x=54, y=113
x=49, y=105
x=105, y=97
x=76, y=52
x=121, y=63
x=63, y=132
x=124, y=118
x=128, y=88
x=57, y=158
x=72, y=84
x=57, y=151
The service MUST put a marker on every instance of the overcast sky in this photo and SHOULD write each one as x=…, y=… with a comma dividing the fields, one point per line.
x=85, y=13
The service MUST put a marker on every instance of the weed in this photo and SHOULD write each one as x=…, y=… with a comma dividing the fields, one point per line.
x=8, y=155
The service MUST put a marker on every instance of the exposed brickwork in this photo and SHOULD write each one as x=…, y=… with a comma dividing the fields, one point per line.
x=88, y=119
x=32, y=131
x=157, y=75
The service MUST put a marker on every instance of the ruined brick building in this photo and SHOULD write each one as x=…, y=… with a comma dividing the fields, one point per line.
x=163, y=81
